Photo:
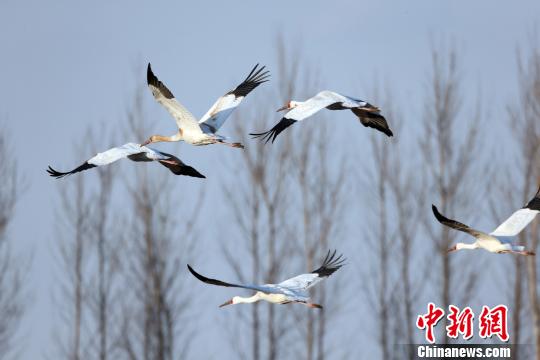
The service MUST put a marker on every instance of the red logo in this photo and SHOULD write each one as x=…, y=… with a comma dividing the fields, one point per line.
x=460, y=322
x=492, y=321
x=429, y=320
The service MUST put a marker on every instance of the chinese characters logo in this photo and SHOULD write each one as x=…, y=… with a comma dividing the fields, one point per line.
x=492, y=321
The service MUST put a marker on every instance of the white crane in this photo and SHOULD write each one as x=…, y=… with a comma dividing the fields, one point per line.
x=497, y=241
x=293, y=290
x=203, y=132
x=368, y=114
x=134, y=152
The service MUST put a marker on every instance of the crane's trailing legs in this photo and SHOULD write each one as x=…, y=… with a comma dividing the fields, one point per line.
x=234, y=145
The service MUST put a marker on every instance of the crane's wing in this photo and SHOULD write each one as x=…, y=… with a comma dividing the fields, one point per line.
x=178, y=167
x=134, y=152
x=455, y=224
x=373, y=119
x=301, y=112
x=225, y=105
x=184, y=119
x=104, y=158
x=204, y=279
x=519, y=219
x=329, y=266
x=369, y=115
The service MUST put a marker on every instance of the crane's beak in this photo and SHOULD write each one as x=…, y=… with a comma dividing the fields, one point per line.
x=226, y=303
x=146, y=142
x=452, y=249
x=282, y=108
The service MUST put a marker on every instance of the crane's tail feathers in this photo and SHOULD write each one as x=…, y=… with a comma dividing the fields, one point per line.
x=57, y=174
x=372, y=118
x=275, y=131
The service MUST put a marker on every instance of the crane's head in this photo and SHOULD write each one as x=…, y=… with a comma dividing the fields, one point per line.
x=289, y=105
x=150, y=140
x=235, y=300
x=452, y=249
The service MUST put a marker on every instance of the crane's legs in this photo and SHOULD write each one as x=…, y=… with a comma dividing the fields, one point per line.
x=234, y=145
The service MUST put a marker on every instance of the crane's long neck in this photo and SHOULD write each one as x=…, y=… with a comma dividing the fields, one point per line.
x=462, y=246
x=160, y=138
x=247, y=300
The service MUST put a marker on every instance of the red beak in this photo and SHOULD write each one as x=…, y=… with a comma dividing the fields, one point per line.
x=453, y=248
x=226, y=303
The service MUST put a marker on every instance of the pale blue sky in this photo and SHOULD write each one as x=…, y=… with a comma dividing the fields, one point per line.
x=68, y=65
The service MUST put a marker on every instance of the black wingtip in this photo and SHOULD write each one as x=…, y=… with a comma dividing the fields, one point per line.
x=196, y=274
x=152, y=80
x=206, y=280
x=330, y=264
x=58, y=174
x=150, y=77
x=177, y=167
x=534, y=204
x=374, y=120
x=256, y=77
x=189, y=171
x=440, y=217
x=272, y=134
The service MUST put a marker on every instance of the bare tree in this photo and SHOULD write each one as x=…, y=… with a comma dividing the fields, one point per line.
x=264, y=179
x=11, y=271
x=517, y=293
x=448, y=169
x=277, y=188
x=157, y=248
x=88, y=256
x=399, y=199
x=526, y=127
x=379, y=290
x=320, y=182
x=73, y=228
x=102, y=282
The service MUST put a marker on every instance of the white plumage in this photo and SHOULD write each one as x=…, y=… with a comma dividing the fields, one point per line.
x=368, y=114
x=203, y=132
x=134, y=152
x=293, y=290
x=496, y=241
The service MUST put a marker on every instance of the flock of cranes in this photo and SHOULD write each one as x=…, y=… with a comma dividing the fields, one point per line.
x=205, y=132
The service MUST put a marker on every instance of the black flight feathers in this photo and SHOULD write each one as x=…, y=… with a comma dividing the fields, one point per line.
x=210, y=281
x=57, y=174
x=446, y=221
x=151, y=79
x=255, y=78
x=330, y=264
x=182, y=169
x=275, y=131
x=175, y=165
x=534, y=204
x=373, y=120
